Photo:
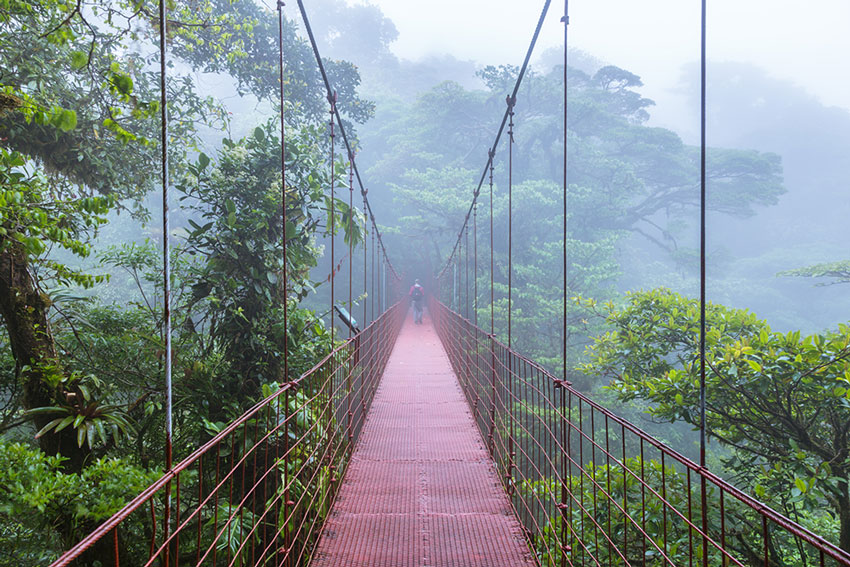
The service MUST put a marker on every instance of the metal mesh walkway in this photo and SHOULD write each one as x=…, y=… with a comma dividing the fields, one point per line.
x=421, y=488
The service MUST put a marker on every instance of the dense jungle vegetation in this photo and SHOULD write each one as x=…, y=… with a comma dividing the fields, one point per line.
x=81, y=398
x=81, y=285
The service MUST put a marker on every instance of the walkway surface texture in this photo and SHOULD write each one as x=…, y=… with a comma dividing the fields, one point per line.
x=421, y=489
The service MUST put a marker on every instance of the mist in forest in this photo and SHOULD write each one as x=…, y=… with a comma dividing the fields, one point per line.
x=613, y=283
x=796, y=223
x=777, y=159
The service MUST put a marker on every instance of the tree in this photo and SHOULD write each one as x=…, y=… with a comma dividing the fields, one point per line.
x=34, y=218
x=237, y=295
x=434, y=203
x=624, y=175
x=241, y=39
x=780, y=402
x=360, y=32
x=79, y=124
x=838, y=272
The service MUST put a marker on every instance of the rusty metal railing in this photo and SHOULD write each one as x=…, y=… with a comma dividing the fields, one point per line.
x=259, y=491
x=592, y=489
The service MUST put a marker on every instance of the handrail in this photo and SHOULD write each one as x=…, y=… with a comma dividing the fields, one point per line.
x=589, y=485
x=303, y=433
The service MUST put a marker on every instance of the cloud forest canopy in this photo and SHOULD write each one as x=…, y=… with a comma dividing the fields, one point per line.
x=625, y=178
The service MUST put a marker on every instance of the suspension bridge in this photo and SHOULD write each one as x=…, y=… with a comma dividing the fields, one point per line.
x=438, y=444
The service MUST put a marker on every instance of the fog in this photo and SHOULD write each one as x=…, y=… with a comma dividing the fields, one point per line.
x=581, y=253
x=654, y=38
x=774, y=86
x=778, y=132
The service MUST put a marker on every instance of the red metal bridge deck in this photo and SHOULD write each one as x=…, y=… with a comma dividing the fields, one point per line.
x=421, y=488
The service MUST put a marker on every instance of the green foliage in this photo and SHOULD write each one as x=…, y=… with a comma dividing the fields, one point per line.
x=88, y=416
x=237, y=284
x=86, y=106
x=35, y=217
x=611, y=505
x=623, y=177
x=779, y=401
x=241, y=39
x=435, y=201
x=622, y=172
x=37, y=496
x=79, y=131
x=838, y=272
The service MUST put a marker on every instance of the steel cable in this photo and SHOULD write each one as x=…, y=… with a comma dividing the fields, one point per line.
x=331, y=222
x=343, y=133
x=166, y=266
x=565, y=507
x=702, y=281
x=492, y=153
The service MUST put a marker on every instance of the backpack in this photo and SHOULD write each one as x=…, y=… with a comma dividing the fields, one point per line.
x=418, y=294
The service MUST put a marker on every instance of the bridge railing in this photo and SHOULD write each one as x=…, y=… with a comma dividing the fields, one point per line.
x=259, y=491
x=592, y=489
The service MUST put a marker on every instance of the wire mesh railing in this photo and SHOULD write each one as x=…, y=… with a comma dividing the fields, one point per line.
x=259, y=491
x=592, y=489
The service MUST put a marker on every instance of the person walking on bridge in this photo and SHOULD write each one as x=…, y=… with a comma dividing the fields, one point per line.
x=417, y=297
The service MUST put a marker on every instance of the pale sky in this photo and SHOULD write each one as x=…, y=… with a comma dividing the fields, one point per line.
x=807, y=42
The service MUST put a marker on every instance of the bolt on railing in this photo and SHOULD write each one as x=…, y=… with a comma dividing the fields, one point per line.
x=259, y=491
x=590, y=488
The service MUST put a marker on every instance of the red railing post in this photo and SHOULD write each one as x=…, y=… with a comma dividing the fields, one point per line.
x=492, y=435
x=565, y=477
x=352, y=366
x=287, y=503
x=115, y=546
x=509, y=402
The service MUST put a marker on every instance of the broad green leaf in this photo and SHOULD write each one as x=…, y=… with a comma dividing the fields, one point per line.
x=64, y=423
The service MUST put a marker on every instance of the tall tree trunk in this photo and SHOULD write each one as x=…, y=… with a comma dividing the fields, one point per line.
x=24, y=311
x=843, y=501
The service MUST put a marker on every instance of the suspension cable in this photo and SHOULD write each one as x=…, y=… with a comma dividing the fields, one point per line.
x=566, y=22
x=495, y=145
x=284, y=269
x=492, y=262
x=466, y=273
x=365, y=257
x=343, y=133
x=332, y=98
x=566, y=512
x=702, y=244
x=475, y=267
x=350, y=241
x=511, y=101
x=702, y=278
x=166, y=248
x=491, y=436
x=166, y=268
